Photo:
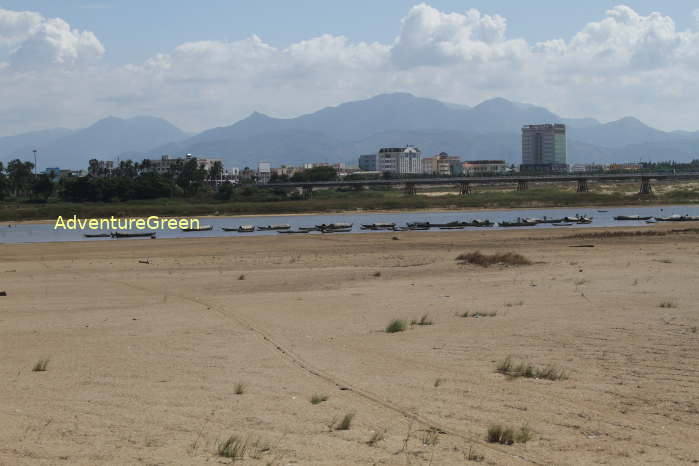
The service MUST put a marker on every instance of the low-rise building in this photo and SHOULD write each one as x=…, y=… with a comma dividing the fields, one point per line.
x=484, y=167
x=367, y=162
x=442, y=165
x=399, y=160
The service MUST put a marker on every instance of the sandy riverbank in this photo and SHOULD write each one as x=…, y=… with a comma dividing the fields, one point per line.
x=145, y=357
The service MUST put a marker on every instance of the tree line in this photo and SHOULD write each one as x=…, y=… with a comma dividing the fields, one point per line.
x=133, y=181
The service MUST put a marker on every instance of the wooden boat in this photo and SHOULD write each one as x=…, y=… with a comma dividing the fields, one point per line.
x=419, y=225
x=241, y=229
x=584, y=221
x=120, y=234
x=281, y=226
x=677, y=218
x=204, y=228
x=561, y=224
x=452, y=227
x=449, y=224
x=551, y=220
x=481, y=223
x=308, y=228
x=577, y=219
x=379, y=226
x=517, y=223
x=334, y=225
x=97, y=235
x=294, y=232
x=336, y=230
x=631, y=217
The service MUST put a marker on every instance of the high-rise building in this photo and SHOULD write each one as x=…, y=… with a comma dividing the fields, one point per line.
x=544, y=148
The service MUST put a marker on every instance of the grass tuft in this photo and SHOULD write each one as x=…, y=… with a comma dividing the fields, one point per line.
x=240, y=388
x=317, y=399
x=430, y=437
x=41, y=365
x=438, y=381
x=506, y=435
x=234, y=447
x=424, y=320
x=377, y=274
x=668, y=304
x=524, y=369
x=346, y=422
x=486, y=260
x=241, y=276
x=396, y=326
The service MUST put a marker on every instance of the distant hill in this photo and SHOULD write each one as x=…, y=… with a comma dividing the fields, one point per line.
x=105, y=139
x=490, y=130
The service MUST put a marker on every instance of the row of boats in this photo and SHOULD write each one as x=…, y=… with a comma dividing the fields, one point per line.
x=346, y=227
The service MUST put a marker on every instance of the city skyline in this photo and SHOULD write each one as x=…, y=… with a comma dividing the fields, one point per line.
x=67, y=65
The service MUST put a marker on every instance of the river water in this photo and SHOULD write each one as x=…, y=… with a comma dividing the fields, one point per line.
x=602, y=217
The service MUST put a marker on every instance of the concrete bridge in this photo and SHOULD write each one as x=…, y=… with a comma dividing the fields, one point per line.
x=465, y=183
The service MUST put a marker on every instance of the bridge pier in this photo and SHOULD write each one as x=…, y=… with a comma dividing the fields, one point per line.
x=646, y=188
x=307, y=192
x=522, y=185
x=464, y=189
x=582, y=186
x=410, y=189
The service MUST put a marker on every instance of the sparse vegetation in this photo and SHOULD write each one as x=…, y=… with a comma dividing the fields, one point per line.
x=396, y=326
x=524, y=369
x=515, y=303
x=430, y=437
x=667, y=304
x=486, y=260
x=377, y=274
x=41, y=365
x=236, y=448
x=241, y=276
x=473, y=456
x=424, y=320
x=317, y=399
x=477, y=315
x=240, y=388
x=506, y=435
x=376, y=437
x=438, y=381
x=346, y=422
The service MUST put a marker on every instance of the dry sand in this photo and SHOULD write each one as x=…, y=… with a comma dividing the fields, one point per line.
x=144, y=358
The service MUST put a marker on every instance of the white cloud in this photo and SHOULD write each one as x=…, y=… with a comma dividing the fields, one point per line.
x=625, y=63
x=35, y=42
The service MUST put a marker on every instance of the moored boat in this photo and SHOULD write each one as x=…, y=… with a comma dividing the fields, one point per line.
x=379, y=226
x=481, y=223
x=561, y=224
x=281, y=226
x=336, y=230
x=677, y=218
x=334, y=226
x=520, y=222
x=241, y=229
x=97, y=235
x=203, y=228
x=631, y=217
x=122, y=234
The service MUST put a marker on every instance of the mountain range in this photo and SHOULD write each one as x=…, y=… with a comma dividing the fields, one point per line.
x=490, y=130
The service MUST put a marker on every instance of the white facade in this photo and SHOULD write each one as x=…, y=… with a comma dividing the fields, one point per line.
x=399, y=160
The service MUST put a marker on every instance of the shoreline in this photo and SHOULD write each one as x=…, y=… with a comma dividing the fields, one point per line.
x=365, y=211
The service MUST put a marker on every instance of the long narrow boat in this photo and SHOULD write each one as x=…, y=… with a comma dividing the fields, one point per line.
x=677, y=218
x=280, y=226
x=336, y=230
x=481, y=223
x=631, y=217
x=204, y=228
x=455, y=223
x=241, y=229
x=419, y=225
x=120, y=234
x=379, y=226
x=314, y=228
x=561, y=224
x=97, y=235
x=294, y=232
x=517, y=223
x=334, y=226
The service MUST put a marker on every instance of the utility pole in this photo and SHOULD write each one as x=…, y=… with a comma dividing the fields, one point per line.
x=34, y=161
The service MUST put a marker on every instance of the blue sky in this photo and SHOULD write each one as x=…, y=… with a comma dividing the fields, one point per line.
x=133, y=30
x=67, y=63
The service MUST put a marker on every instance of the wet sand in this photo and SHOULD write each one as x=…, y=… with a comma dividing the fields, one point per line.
x=144, y=358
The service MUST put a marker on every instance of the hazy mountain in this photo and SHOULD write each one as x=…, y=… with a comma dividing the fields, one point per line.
x=105, y=139
x=490, y=130
x=21, y=145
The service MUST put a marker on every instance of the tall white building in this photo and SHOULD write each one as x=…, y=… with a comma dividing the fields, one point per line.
x=264, y=172
x=399, y=160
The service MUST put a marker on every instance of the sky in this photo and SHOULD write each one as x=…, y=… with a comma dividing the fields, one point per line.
x=67, y=63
